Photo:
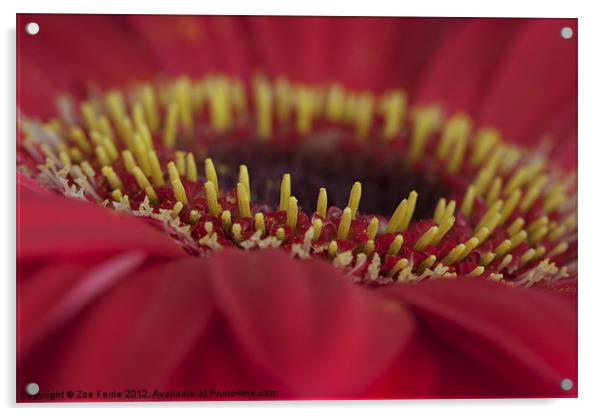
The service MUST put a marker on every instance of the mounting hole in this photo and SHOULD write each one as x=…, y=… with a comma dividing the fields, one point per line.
x=566, y=32
x=32, y=389
x=32, y=28
x=566, y=384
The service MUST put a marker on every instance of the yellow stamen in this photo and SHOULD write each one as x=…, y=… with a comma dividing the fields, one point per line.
x=354, y=198
x=156, y=171
x=559, y=249
x=182, y=96
x=467, y=203
x=369, y=247
x=426, y=121
x=393, y=108
x=104, y=126
x=493, y=209
x=259, y=223
x=344, y=224
x=372, y=228
x=516, y=180
x=243, y=201
x=219, y=106
x=554, y=198
x=539, y=251
x=280, y=234
x=401, y=264
x=128, y=160
x=527, y=256
x=110, y=149
x=516, y=226
x=181, y=162
x=101, y=155
x=292, y=213
x=457, y=157
x=476, y=272
x=117, y=195
x=304, y=102
x=226, y=220
x=426, y=263
x=335, y=103
x=426, y=238
x=212, y=202
x=364, y=115
x=395, y=245
x=211, y=174
x=333, y=248
x=403, y=225
x=76, y=155
x=538, y=235
x=191, y=173
x=510, y=204
x=237, y=232
x=150, y=107
x=539, y=222
x=65, y=159
x=322, y=204
x=444, y=227
x=152, y=195
x=283, y=94
x=317, y=226
x=194, y=216
x=469, y=246
x=557, y=232
x=88, y=170
x=115, y=105
x=179, y=192
x=79, y=138
x=504, y=263
x=112, y=178
x=487, y=259
x=533, y=192
x=177, y=207
x=172, y=172
x=494, y=191
x=450, y=209
x=397, y=217
x=88, y=115
x=263, y=105
x=517, y=239
x=439, y=210
x=285, y=191
x=141, y=180
x=454, y=254
x=482, y=234
x=141, y=153
x=502, y=248
x=486, y=139
x=243, y=177
x=170, y=128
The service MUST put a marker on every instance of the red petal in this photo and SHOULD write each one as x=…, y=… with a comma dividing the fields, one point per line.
x=71, y=51
x=533, y=93
x=302, y=324
x=52, y=227
x=493, y=340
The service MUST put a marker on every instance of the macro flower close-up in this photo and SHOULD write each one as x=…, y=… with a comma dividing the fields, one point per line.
x=276, y=208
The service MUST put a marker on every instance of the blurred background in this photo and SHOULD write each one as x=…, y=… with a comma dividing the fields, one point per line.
x=519, y=75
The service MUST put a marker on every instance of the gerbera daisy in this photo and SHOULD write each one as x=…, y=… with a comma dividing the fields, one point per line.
x=389, y=192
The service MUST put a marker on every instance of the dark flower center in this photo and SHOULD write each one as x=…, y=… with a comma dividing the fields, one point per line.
x=386, y=177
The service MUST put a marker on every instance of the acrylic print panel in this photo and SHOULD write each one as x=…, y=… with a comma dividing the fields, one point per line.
x=270, y=208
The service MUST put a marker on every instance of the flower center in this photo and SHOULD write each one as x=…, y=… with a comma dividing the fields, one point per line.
x=385, y=192
x=321, y=163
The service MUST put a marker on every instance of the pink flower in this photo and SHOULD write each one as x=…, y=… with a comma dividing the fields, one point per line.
x=108, y=302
